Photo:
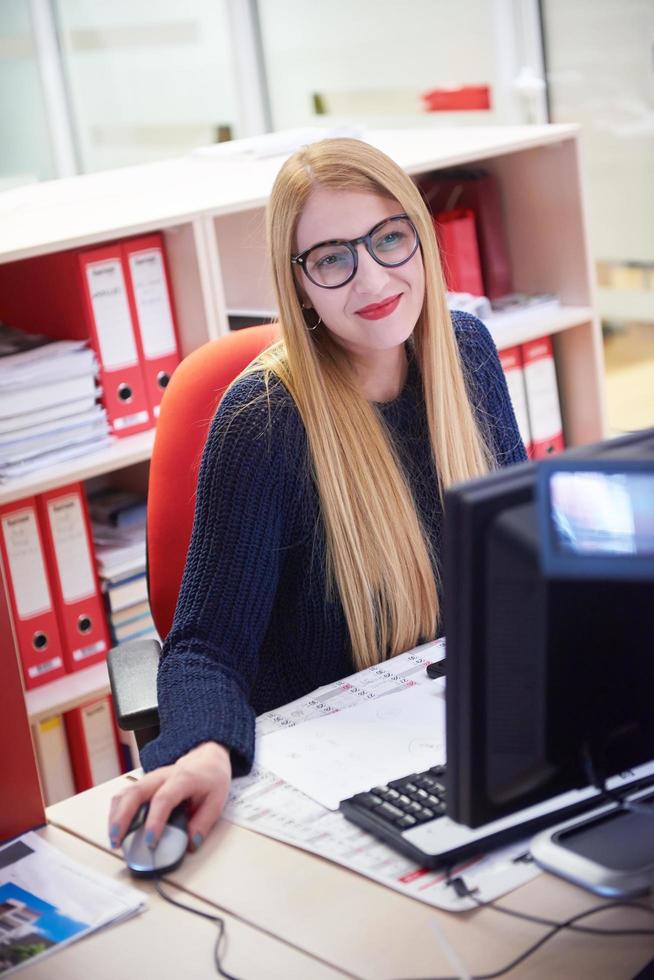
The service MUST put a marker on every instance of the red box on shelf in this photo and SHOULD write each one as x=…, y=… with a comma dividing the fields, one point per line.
x=458, y=98
x=457, y=241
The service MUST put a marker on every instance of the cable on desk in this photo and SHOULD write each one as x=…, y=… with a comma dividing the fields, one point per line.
x=206, y=915
x=463, y=891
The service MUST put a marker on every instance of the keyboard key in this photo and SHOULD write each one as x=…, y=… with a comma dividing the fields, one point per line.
x=401, y=784
x=406, y=822
x=389, y=811
x=367, y=800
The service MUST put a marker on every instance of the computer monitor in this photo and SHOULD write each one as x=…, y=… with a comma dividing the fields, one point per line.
x=550, y=628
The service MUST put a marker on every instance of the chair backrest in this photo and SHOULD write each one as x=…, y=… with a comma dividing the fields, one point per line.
x=188, y=406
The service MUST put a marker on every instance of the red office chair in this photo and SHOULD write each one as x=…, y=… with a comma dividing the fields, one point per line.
x=187, y=409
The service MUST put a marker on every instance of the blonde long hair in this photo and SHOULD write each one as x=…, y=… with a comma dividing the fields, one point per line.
x=378, y=556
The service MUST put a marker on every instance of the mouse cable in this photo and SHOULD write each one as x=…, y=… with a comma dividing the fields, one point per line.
x=220, y=922
x=463, y=891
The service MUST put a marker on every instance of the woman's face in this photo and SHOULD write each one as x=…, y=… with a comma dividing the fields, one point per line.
x=378, y=309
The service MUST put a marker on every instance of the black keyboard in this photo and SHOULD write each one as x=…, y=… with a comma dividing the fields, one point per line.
x=387, y=811
x=409, y=814
x=404, y=802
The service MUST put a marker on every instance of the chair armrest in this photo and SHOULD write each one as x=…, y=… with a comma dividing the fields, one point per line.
x=133, y=678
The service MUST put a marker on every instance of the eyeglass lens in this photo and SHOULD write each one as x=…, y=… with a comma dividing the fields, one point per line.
x=392, y=243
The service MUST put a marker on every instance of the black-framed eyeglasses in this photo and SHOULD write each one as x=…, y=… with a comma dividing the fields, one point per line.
x=331, y=264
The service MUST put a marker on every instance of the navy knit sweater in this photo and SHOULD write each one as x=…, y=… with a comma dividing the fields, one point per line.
x=253, y=628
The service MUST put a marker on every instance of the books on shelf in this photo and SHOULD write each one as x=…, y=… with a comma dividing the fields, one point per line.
x=542, y=397
x=48, y=409
x=512, y=365
x=53, y=757
x=119, y=531
x=115, y=298
x=118, y=508
x=530, y=373
x=55, y=601
x=93, y=743
x=71, y=565
x=31, y=603
x=139, y=627
x=126, y=592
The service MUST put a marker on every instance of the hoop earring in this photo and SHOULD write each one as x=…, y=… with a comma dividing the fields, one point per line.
x=318, y=321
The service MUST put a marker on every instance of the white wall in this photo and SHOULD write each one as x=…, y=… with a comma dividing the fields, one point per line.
x=601, y=73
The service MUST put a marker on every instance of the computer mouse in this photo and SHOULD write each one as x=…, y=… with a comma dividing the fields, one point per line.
x=171, y=848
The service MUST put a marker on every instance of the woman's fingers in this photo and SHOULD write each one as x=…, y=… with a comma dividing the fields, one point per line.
x=125, y=804
x=179, y=786
x=202, y=776
x=207, y=812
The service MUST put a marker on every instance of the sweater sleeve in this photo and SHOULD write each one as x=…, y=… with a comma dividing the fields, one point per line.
x=210, y=656
x=488, y=389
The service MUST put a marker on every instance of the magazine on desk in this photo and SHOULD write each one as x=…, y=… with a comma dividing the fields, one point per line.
x=268, y=804
x=48, y=900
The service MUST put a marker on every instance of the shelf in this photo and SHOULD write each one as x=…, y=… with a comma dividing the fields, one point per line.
x=67, y=692
x=519, y=328
x=121, y=453
x=73, y=211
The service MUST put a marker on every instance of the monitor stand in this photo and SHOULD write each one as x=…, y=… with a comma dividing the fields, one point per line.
x=609, y=851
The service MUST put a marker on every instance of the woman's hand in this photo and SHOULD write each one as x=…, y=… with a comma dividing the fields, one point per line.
x=202, y=776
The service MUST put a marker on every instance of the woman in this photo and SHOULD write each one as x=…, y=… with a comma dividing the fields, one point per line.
x=315, y=547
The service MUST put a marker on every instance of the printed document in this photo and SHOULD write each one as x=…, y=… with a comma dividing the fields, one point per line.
x=369, y=744
x=264, y=802
x=48, y=900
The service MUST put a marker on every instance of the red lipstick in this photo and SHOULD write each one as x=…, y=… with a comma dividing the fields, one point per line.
x=377, y=311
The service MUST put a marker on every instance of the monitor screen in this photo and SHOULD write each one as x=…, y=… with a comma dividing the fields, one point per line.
x=597, y=518
x=550, y=637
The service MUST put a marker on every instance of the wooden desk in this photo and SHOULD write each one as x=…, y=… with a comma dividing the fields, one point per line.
x=368, y=931
x=166, y=942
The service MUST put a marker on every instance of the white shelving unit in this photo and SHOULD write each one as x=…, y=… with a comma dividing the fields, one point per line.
x=211, y=209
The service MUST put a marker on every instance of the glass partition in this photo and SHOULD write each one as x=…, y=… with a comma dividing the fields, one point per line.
x=25, y=150
x=146, y=80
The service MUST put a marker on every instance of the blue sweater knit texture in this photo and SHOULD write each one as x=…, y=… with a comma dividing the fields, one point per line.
x=253, y=627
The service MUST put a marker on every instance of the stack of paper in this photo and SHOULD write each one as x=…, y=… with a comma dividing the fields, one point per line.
x=520, y=308
x=48, y=900
x=48, y=409
x=479, y=306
